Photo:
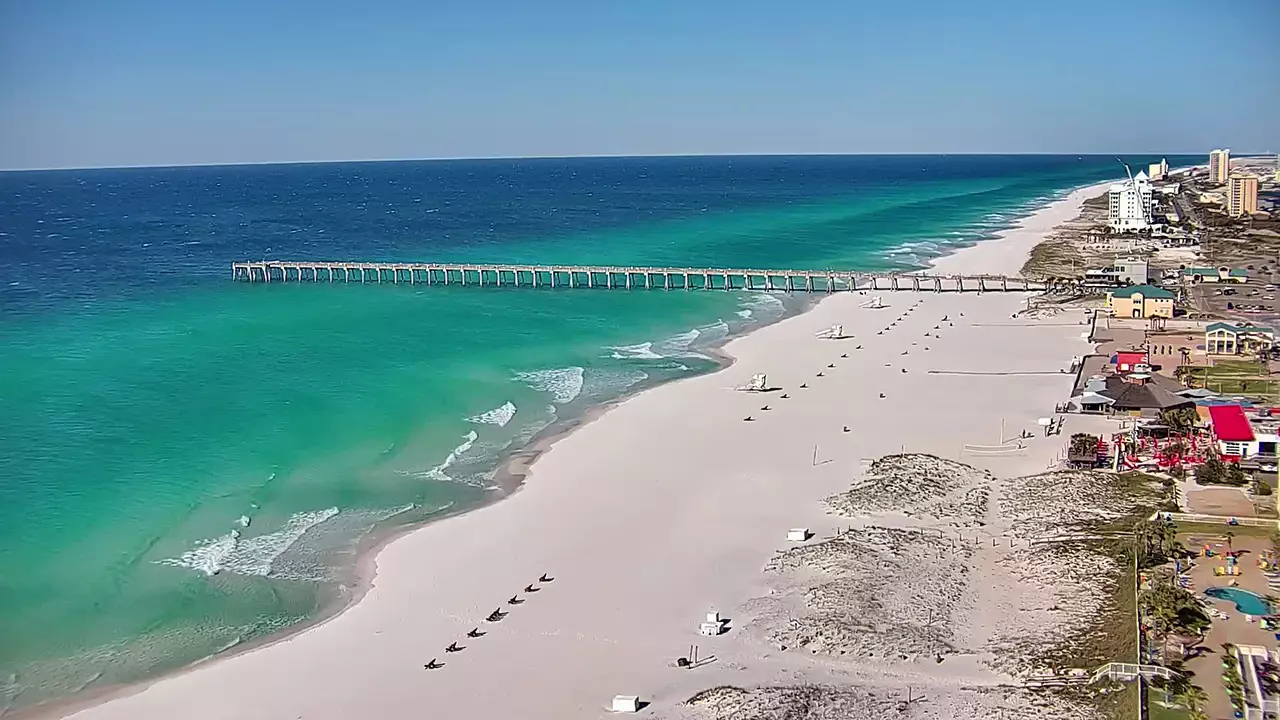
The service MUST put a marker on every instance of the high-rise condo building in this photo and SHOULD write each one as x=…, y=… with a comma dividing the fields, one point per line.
x=1219, y=166
x=1242, y=195
x=1129, y=204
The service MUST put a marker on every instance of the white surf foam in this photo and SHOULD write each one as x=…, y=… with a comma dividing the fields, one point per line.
x=254, y=556
x=499, y=416
x=207, y=556
x=680, y=342
x=564, y=384
x=248, y=556
x=438, y=472
x=609, y=383
x=717, y=331
x=643, y=351
x=763, y=306
x=744, y=314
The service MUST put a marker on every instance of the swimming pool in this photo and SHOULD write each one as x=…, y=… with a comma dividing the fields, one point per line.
x=1246, y=602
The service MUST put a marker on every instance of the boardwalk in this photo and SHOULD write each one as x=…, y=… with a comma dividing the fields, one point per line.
x=645, y=278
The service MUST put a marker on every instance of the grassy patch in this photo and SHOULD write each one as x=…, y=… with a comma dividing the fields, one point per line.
x=1122, y=704
x=1199, y=528
x=1148, y=492
x=1160, y=712
x=1113, y=635
x=1054, y=258
x=1243, y=377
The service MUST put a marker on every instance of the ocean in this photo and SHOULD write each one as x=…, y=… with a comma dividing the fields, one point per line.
x=188, y=464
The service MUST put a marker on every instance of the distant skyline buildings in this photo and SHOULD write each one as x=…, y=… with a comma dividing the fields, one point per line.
x=1158, y=171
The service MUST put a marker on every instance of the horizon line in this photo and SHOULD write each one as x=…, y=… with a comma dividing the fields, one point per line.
x=461, y=158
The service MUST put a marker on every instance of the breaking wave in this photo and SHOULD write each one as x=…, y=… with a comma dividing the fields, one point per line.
x=763, y=306
x=643, y=351
x=438, y=472
x=564, y=384
x=248, y=556
x=714, y=332
x=499, y=416
x=677, y=343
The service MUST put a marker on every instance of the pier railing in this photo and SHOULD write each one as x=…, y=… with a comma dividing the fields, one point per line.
x=620, y=277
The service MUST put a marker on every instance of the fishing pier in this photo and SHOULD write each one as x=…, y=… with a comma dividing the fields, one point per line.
x=616, y=277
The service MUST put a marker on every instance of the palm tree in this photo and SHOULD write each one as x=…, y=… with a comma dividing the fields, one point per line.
x=1168, y=539
x=1180, y=420
x=1167, y=608
x=1154, y=541
x=1194, y=699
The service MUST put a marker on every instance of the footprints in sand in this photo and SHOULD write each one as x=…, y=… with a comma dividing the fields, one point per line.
x=496, y=616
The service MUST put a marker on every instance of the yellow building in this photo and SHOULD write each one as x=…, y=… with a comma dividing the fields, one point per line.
x=1242, y=195
x=1219, y=166
x=1140, y=301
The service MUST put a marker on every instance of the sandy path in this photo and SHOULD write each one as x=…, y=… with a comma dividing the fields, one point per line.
x=667, y=506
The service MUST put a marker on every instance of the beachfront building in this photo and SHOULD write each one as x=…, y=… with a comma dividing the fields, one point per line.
x=1158, y=171
x=1216, y=275
x=1139, y=394
x=1129, y=204
x=1140, y=301
x=1125, y=271
x=1219, y=166
x=1223, y=338
x=1242, y=195
x=1232, y=431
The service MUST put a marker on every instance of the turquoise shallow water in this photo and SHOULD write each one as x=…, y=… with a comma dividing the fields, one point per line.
x=188, y=463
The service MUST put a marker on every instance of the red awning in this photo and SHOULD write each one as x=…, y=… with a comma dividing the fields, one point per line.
x=1129, y=359
x=1230, y=423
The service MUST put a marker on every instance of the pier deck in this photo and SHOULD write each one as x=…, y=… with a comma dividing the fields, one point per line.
x=618, y=277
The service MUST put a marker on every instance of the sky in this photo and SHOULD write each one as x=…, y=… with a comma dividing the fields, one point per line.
x=88, y=83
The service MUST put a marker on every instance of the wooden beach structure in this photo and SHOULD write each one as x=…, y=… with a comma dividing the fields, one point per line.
x=628, y=278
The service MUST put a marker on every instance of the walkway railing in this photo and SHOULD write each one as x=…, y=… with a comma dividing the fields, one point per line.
x=625, y=277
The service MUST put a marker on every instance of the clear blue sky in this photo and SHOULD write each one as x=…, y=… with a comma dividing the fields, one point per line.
x=139, y=82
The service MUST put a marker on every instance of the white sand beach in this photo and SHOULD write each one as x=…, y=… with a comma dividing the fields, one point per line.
x=671, y=504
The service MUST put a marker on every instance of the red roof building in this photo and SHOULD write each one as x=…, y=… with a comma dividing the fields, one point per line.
x=1230, y=423
x=1233, y=431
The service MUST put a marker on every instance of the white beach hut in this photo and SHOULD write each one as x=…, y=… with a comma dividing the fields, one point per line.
x=625, y=704
x=798, y=534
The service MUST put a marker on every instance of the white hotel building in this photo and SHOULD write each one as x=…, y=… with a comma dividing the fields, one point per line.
x=1129, y=204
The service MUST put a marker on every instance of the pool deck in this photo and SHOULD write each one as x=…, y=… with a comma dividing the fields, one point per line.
x=1207, y=668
